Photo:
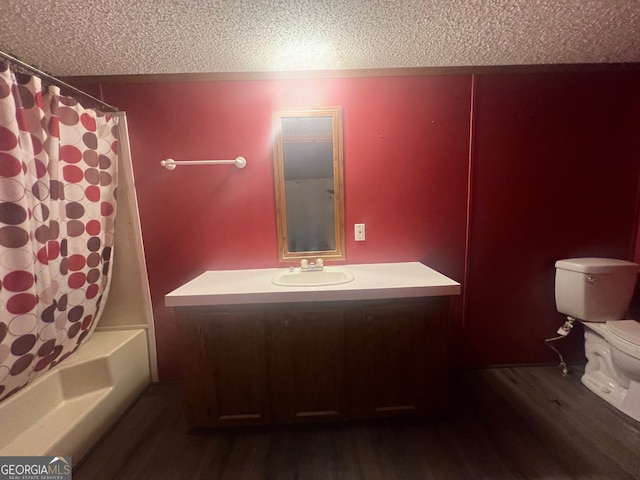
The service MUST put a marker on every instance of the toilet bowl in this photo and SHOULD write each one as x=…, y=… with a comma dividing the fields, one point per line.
x=597, y=292
x=613, y=363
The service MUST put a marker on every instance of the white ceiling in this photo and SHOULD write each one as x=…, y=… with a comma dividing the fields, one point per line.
x=113, y=37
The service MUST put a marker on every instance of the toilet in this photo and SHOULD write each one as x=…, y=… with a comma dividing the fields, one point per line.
x=597, y=292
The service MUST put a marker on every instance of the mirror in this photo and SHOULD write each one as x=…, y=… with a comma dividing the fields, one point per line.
x=309, y=185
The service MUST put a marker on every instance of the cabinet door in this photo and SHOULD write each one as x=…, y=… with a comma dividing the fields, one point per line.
x=307, y=364
x=404, y=359
x=224, y=367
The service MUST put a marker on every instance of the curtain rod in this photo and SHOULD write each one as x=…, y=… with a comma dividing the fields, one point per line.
x=57, y=81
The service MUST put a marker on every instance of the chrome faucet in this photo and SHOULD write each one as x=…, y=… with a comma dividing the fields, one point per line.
x=307, y=266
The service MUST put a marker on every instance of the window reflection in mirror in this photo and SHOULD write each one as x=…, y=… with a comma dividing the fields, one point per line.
x=309, y=183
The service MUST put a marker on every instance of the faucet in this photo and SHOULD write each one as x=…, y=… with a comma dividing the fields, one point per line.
x=306, y=266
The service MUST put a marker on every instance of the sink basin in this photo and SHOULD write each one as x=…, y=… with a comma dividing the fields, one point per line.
x=298, y=278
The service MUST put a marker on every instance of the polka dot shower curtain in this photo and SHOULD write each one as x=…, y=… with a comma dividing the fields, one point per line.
x=58, y=175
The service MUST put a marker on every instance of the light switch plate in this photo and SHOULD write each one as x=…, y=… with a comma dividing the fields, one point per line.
x=359, y=232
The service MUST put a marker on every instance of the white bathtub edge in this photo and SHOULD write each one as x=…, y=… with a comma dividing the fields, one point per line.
x=67, y=410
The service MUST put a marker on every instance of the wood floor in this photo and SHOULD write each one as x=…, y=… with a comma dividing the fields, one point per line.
x=506, y=423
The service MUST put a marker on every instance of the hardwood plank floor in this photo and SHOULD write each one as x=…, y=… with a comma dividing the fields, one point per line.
x=502, y=423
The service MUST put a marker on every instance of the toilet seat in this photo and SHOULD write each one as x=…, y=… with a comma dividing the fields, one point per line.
x=628, y=330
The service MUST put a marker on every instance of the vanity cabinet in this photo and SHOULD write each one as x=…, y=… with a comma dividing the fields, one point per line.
x=301, y=362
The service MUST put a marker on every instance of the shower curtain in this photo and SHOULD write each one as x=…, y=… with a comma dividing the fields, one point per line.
x=58, y=175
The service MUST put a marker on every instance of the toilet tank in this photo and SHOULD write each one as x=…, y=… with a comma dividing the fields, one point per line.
x=595, y=289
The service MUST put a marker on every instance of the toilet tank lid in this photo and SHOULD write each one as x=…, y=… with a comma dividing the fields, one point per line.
x=597, y=265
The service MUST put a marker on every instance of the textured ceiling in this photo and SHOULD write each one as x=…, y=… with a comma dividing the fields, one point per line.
x=100, y=37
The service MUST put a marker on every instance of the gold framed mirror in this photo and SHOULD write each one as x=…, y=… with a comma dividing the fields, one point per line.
x=309, y=183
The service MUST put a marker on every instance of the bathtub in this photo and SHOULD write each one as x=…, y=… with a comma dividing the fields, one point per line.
x=65, y=411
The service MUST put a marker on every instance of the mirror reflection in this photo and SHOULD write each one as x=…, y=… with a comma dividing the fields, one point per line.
x=308, y=173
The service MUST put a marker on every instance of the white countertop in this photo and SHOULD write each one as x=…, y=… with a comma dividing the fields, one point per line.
x=371, y=281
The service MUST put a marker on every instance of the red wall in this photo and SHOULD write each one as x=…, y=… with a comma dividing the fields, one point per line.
x=406, y=150
x=554, y=174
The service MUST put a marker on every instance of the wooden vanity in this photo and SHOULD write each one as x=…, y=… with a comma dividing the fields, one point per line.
x=255, y=353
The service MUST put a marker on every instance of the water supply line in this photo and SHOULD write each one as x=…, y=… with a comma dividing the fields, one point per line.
x=562, y=332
